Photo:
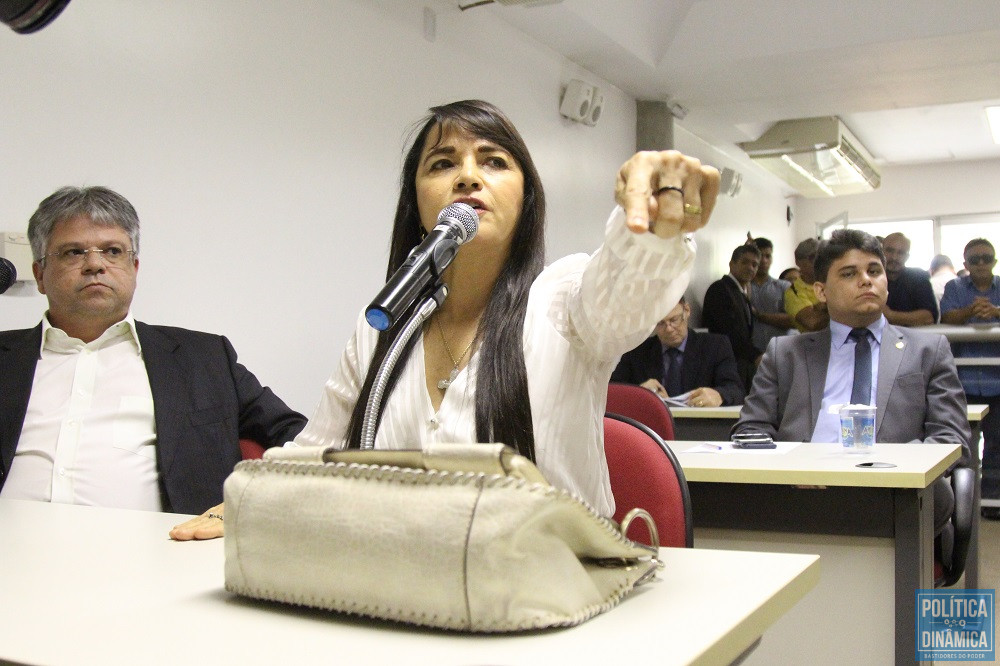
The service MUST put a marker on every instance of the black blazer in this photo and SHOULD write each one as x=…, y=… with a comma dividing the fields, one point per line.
x=708, y=361
x=204, y=402
x=726, y=310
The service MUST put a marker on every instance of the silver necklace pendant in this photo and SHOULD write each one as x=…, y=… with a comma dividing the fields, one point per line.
x=445, y=383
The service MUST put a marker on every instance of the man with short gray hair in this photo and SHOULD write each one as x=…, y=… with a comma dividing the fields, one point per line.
x=98, y=408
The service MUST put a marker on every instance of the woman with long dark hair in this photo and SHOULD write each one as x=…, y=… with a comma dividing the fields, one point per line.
x=518, y=353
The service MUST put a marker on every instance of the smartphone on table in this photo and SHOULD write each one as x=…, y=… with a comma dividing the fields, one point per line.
x=753, y=440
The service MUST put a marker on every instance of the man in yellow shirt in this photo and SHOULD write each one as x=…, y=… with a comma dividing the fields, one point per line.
x=802, y=304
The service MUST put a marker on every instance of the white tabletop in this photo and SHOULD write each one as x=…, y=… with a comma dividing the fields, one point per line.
x=975, y=412
x=104, y=586
x=727, y=412
x=916, y=465
x=964, y=333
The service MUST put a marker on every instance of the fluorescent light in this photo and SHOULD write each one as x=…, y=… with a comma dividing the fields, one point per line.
x=808, y=176
x=993, y=116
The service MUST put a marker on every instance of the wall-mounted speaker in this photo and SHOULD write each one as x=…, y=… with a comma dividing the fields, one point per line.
x=577, y=100
x=596, y=108
x=731, y=182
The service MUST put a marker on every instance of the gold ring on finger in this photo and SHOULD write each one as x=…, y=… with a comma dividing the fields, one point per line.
x=692, y=209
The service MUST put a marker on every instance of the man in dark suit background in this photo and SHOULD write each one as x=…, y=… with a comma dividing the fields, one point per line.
x=705, y=362
x=727, y=310
x=912, y=379
x=96, y=408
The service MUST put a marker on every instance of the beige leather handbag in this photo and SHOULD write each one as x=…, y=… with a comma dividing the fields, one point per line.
x=462, y=537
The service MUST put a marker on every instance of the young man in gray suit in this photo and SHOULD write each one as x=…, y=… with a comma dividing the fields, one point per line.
x=97, y=408
x=913, y=384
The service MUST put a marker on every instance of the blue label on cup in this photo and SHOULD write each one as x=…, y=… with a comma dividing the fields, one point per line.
x=857, y=428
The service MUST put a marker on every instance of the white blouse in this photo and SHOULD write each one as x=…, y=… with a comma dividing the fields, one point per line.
x=583, y=314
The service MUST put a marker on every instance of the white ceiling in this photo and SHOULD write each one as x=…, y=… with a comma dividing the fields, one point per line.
x=910, y=78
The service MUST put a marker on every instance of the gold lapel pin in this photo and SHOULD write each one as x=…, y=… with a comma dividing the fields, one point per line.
x=900, y=345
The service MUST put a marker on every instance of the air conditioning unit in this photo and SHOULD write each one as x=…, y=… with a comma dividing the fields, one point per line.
x=469, y=4
x=819, y=157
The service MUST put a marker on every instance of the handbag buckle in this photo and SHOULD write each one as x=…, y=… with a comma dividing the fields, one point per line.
x=650, y=525
x=654, y=536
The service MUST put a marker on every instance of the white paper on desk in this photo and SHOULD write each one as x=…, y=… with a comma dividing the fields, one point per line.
x=677, y=400
x=727, y=447
x=710, y=447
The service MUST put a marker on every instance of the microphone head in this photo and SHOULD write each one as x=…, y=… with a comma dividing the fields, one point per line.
x=462, y=217
x=8, y=274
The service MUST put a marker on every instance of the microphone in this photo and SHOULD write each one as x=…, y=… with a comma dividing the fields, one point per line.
x=8, y=274
x=422, y=269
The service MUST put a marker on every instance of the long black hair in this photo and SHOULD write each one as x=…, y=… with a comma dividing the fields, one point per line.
x=503, y=409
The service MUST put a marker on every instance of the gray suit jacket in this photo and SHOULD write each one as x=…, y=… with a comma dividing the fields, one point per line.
x=918, y=397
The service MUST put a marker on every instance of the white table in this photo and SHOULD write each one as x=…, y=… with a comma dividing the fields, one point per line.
x=972, y=333
x=103, y=586
x=712, y=424
x=964, y=332
x=872, y=527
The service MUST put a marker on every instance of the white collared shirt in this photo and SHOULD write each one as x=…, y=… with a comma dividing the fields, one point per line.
x=583, y=314
x=89, y=434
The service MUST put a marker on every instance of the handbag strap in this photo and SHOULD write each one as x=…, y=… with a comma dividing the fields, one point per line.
x=497, y=459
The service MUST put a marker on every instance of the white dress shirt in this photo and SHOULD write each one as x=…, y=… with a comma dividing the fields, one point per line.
x=583, y=314
x=89, y=433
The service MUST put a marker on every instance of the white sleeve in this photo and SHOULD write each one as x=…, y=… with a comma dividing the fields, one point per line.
x=628, y=285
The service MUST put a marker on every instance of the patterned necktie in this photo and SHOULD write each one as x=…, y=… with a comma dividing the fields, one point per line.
x=673, y=379
x=861, y=391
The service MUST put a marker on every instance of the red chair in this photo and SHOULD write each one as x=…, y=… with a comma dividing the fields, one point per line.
x=645, y=473
x=251, y=450
x=641, y=405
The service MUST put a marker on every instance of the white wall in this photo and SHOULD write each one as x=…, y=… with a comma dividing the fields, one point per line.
x=759, y=208
x=916, y=191
x=261, y=143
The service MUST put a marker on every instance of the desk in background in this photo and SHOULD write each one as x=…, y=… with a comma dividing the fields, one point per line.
x=712, y=424
x=965, y=332
x=873, y=529
x=105, y=586
x=972, y=333
x=709, y=424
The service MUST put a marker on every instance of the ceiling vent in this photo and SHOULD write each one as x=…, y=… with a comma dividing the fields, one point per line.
x=819, y=157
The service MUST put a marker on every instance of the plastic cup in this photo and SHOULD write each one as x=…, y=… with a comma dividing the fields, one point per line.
x=857, y=428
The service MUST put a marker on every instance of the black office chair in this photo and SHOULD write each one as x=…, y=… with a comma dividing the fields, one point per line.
x=952, y=548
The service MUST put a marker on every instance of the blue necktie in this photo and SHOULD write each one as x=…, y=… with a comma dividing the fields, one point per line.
x=861, y=391
x=673, y=378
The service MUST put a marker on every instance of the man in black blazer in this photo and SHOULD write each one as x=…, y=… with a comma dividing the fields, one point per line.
x=706, y=363
x=90, y=382
x=727, y=311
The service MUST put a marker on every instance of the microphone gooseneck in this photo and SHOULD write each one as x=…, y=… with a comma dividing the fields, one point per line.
x=420, y=273
x=8, y=274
